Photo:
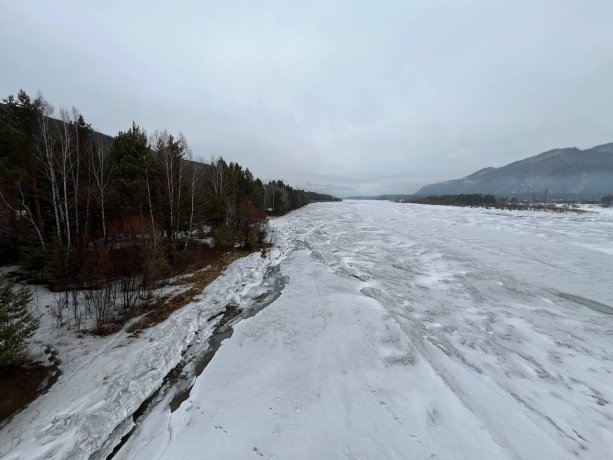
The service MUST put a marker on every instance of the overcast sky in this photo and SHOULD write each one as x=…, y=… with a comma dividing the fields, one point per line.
x=346, y=97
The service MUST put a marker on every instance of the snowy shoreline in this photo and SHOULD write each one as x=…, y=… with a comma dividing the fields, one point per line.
x=404, y=332
x=105, y=379
x=412, y=332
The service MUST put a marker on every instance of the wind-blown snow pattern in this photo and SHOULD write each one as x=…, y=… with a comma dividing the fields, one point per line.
x=410, y=331
x=404, y=332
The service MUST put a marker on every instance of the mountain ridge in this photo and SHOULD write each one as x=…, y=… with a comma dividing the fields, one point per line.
x=567, y=172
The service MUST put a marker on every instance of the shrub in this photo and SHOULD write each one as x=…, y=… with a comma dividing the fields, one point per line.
x=17, y=324
x=224, y=236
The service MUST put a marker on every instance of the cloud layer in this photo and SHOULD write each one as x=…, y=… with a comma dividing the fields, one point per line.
x=347, y=97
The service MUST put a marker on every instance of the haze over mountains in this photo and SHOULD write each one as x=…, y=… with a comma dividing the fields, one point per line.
x=564, y=173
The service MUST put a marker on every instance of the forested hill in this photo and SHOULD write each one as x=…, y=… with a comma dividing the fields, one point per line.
x=14, y=131
x=565, y=173
x=64, y=186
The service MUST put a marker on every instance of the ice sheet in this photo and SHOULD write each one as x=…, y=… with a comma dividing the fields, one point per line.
x=411, y=331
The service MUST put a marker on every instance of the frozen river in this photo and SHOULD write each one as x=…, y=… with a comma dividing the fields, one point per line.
x=410, y=332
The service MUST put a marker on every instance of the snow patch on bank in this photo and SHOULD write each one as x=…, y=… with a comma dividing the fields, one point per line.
x=405, y=332
x=105, y=379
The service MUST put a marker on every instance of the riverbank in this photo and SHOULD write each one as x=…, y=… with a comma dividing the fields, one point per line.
x=105, y=380
x=411, y=331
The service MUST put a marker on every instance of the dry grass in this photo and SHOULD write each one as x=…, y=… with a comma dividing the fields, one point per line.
x=162, y=309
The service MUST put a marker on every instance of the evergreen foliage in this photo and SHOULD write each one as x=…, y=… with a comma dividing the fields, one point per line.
x=472, y=199
x=17, y=324
x=71, y=197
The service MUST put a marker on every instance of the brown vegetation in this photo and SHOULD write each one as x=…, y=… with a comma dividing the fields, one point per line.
x=194, y=286
x=21, y=385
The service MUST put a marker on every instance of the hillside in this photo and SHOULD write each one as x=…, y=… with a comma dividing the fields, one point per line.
x=566, y=173
x=12, y=133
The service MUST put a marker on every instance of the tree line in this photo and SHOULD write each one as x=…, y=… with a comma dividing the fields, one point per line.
x=472, y=199
x=80, y=208
x=490, y=201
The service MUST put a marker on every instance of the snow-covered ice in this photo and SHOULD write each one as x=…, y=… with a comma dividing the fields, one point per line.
x=405, y=331
x=410, y=331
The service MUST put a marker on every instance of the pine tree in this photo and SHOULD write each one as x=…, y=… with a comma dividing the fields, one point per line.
x=17, y=324
x=132, y=166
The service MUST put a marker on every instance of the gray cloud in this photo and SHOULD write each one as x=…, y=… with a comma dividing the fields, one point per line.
x=354, y=97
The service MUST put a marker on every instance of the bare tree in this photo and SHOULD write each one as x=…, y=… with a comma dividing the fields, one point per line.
x=217, y=176
x=74, y=123
x=169, y=154
x=103, y=302
x=59, y=158
x=196, y=173
x=25, y=211
x=148, y=182
x=101, y=170
x=65, y=167
x=45, y=155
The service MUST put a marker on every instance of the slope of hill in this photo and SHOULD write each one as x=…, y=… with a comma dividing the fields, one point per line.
x=559, y=173
x=11, y=134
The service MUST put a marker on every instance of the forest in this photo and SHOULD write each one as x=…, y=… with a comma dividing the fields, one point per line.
x=80, y=210
x=473, y=199
x=477, y=200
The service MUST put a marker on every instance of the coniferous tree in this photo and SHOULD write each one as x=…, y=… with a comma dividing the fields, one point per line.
x=131, y=167
x=17, y=324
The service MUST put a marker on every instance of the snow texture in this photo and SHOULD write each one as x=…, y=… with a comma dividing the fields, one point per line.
x=410, y=331
x=105, y=379
x=405, y=331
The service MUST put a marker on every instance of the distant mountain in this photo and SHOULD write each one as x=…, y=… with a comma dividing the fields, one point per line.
x=565, y=173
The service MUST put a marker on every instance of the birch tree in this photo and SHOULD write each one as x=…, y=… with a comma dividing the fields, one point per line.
x=100, y=169
x=24, y=210
x=65, y=166
x=196, y=174
x=169, y=155
x=45, y=154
